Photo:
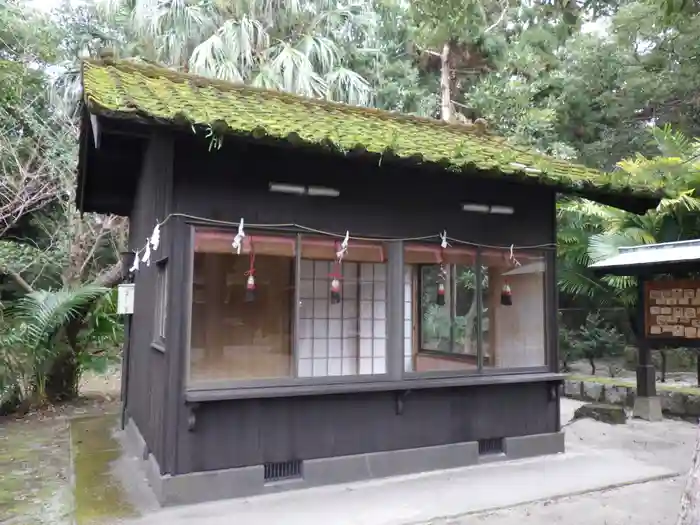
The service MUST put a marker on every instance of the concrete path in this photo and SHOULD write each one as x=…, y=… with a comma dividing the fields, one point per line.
x=599, y=457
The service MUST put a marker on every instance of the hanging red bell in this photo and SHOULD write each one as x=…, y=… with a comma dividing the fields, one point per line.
x=335, y=291
x=441, y=294
x=250, y=289
x=506, y=295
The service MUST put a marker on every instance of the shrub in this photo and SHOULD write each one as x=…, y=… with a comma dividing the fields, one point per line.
x=595, y=339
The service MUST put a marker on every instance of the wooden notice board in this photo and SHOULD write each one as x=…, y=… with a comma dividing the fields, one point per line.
x=672, y=310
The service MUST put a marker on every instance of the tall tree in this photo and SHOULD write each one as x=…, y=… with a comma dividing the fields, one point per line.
x=459, y=34
x=47, y=246
x=301, y=46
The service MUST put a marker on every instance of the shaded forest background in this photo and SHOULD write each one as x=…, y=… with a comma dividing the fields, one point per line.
x=611, y=84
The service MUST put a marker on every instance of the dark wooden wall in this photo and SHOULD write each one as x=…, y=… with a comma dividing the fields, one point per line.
x=382, y=201
x=233, y=182
x=253, y=431
x=180, y=175
x=148, y=367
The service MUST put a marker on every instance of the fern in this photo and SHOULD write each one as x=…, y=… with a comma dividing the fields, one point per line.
x=31, y=344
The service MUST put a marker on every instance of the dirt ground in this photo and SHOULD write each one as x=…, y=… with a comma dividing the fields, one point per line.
x=36, y=474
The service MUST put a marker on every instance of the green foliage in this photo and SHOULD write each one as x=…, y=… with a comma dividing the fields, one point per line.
x=595, y=339
x=27, y=35
x=625, y=99
x=35, y=335
x=302, y=46
x=390, y=64
x=455, y=20
x=590, y=232
x=102, y=336
x=568, y=349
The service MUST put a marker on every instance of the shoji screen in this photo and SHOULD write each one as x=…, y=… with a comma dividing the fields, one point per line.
x=347, y=338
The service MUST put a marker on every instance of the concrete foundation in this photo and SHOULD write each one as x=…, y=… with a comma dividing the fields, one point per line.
x=197, y=487
x=648, y=408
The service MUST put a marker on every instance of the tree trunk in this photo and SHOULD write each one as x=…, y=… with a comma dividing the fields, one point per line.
x=62, y=380
x=445, y=83
x=663, y=365
x=591, y=361
x=690, y=510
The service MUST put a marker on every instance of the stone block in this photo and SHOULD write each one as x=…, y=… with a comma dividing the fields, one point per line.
x=612, y=414
x=572, y=389
x=692, y=406
x=592, y=391
x=616, y=395
x=672, y=403
x=648, y=408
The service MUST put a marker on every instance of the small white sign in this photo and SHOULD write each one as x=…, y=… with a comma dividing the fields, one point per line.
x=125, y=298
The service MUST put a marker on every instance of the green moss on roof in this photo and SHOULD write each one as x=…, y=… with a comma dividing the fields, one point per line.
x=127, y=88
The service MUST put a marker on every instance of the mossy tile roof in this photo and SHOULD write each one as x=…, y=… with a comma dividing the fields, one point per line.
x=144, y=91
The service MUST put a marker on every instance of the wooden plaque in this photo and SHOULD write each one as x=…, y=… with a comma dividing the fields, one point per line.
x=672, y=310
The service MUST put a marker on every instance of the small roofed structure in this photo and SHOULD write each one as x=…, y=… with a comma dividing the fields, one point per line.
x=668, y=309
x=325, y=293
x=664, y=257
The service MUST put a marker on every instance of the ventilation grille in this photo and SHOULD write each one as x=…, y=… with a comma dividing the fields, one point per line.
x=282, y=470
x=490, y=446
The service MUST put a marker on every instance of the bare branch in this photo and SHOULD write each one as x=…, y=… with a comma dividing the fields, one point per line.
x=18, y=279
x=110, y=277
x=500, y=18
x=428, y=51
x=104, y=229
x=36, y=158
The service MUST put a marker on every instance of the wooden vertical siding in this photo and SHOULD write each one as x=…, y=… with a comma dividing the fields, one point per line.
x=233, y=182
x=255, y=431
x=147, y=387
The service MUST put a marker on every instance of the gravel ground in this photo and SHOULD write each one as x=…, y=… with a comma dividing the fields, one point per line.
x=669, y=443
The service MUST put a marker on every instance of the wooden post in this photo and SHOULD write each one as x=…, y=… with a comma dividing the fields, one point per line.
x=646, y=373
x=646, y=404
x=125, y=369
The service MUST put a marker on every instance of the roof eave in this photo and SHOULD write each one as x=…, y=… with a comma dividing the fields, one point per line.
x=627, y=200
x=631, y=202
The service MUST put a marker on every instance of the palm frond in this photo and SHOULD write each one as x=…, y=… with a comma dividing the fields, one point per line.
x=45, y=311
x=685, y=202
x=322, y=52
x=344, y=85
x=295, y=72
x=606, y=245
x=233, y=51
x=672, y=143
x=578, y=283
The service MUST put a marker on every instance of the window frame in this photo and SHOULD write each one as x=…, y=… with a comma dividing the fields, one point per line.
x=160, y=314
x=395, y=377
x=454, y=356
x=481, y=371
x=294, y=380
